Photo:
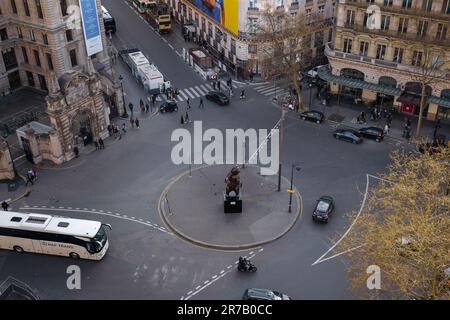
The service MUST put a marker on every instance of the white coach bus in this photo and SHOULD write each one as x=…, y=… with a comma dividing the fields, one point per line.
x=47, y=234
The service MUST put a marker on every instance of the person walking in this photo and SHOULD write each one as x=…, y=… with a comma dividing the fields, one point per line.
x=124, y=127
x=214, y=85
x=182, y=120
x=96, y=144
x=5, y=206
x=147, y=107
x=101, y=143
x=76, y=151
x=137, y=123
x=386, y=129
x=201, y=103
x=29, y=178
x=242, y=94
x=186, y=118
x=141, y=104
x=188, y=103
x=218, y=85
x=132, y=122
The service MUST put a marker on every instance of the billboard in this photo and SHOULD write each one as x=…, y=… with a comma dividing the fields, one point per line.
x=224, y=12
x=91, y=26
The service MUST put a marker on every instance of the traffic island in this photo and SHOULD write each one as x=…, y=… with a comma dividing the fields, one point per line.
x=192, y=207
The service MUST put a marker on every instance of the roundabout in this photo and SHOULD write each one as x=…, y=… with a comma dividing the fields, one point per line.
x=192, y=207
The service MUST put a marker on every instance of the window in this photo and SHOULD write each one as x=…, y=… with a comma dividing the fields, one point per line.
x=417, y=58
x=63, y=5
x=441, y=31
x=318, y=39
x=63, y=224
x=42, y=82
x=69, y=35
x=370, y=1
x=427, y=4
x=321, y=9
x=366, y=17
x=25, y=55
x=26, y=8
x=13, y=6
x=39, y=9
x=406, y=4
x=37, y=59
x=422, y=28
x=363, y=48
x=16, y=219
x=45, y=38
x=9, y=59
x=403, y=25
x=36, y=220
x=398, y=55
x=381, y=51
x=350, y=17
x=49, y=61
x=3, y=34
x=252, y=48
x=348, y=45
x=19, y=32
x=385, y=22
x=32, y=36
x=30, y=79
x=252, y=25
x=446, y=7
x=73, y=57
x=388, y=3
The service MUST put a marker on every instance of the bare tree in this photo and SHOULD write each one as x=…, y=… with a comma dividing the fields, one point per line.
x=284, y=47
x=404, y=228
x=430, y=69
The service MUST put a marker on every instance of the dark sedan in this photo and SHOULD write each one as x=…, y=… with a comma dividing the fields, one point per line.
x=313, y=115
x=324, y=207
x=348, y=135
x=168, y=106
x=217, y=97
x=374, y=133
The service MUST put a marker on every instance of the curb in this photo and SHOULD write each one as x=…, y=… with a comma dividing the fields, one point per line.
x=181, y=235
x=26, y=193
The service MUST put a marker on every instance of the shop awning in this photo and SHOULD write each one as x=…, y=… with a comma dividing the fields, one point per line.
x=440, y=101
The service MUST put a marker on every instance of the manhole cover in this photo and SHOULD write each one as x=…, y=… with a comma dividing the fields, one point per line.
x=336, y=118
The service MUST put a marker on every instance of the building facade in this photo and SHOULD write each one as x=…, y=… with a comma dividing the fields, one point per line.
x=42, y=46
x=228, y=28
x=382, y=58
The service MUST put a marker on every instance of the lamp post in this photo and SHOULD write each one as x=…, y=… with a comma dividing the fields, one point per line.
x=281, y=141
x=125, y=114
x=310, y=94
x=292, y=185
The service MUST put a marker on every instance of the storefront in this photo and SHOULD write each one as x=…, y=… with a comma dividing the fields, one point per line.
x=443, y=111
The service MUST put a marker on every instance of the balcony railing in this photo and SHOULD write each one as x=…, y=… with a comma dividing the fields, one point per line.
x=414, y=11
x=331, y=52
x=404, y=36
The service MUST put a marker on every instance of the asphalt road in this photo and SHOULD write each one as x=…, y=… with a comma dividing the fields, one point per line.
x=121, y=185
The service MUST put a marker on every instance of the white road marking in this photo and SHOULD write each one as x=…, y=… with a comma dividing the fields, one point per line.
x=190, y=94
x=350, y=228
x=205, y=88
x=171, y=47
x=199, y=89
x=184, y=95
x=195, y=92
x=92, y=211
x=209, y=86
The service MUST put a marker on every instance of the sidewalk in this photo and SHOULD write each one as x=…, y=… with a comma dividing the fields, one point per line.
x=345, y=114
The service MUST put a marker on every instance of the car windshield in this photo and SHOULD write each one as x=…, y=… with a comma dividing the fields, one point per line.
x=322, y=206
x=98, y=242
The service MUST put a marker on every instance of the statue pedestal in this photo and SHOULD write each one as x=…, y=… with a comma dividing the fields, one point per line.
x=232, y=204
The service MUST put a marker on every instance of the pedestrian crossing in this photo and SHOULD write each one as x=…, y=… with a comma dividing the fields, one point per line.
x=201, y=90
x=267, y=89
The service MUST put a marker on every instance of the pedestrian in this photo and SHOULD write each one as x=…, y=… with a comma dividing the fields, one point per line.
x=137, y=123
x=29, y=178
x=242, y=94
x=101, y=143
x=188, y=103
x=110, y=131
x=147, y=107
x=124, y=127
x=96, y=144
x=186, y=118
x=76, y=151
x=386, y=129
x=201, y=103
x=132, y=122
x=218, y=85
x=5, y=206
x=141, y=104
x=214, y=85
x=154, y=99
x=231, y=91
x=182, y=120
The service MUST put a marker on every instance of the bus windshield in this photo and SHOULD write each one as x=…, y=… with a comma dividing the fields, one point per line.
x=98, y=242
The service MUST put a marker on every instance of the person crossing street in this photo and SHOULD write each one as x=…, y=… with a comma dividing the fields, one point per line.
x=201, y=103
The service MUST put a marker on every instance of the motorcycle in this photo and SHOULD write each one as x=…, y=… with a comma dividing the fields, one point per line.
x=246, y=266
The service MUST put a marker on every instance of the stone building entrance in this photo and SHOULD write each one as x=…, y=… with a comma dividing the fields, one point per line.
x=82, y=129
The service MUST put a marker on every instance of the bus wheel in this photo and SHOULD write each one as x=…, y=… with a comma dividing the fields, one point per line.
x=74, y=255
x=18, y=249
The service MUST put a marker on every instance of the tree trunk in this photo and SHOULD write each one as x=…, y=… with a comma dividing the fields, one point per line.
x=422, y=106
x=299, y=93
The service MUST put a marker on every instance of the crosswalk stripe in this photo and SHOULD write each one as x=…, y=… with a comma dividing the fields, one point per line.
x=180, y=99
x=200, y=90
x=209, y=86
x=270, y=90
x=195, y=92
x=204, y=87
x=261, y=87
x=190, y=94
x=184, y=95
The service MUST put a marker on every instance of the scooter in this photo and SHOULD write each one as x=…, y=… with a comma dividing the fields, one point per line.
x=247, y=266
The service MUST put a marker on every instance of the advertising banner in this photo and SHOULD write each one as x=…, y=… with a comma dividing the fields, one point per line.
x=91, y=27
x=224, y=12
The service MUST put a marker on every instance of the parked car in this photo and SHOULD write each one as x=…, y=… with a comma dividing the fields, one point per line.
x=324, y=207
x=312, y=115
x=264, y=294
x=348, y=135
x=374, y=133
x=168, y=106
x=218, y=97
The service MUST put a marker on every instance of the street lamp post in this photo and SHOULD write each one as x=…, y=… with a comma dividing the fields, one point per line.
x=281, y=141
x=125, y=114
x=292, y=185
x=310, y=95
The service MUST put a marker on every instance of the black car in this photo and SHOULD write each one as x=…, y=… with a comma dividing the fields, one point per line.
x=324, y=207
x=168, y=106
x=313, y=115
x=374, y=133
x=218, y=97
x=348, y=135
x=264, y=294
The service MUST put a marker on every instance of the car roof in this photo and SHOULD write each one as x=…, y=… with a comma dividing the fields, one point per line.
x=266, y=293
